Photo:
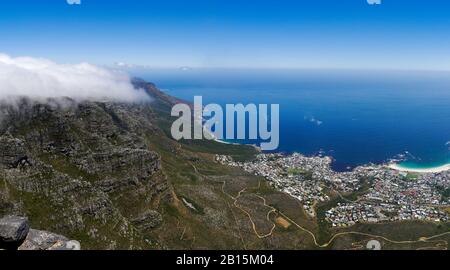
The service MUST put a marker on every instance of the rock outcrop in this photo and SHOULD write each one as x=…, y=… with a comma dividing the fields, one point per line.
x=15, y=233
x=42, y=240
x=74, y=167
x=148, y=220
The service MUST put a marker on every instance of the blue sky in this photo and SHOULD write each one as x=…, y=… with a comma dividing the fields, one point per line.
x=398, y=34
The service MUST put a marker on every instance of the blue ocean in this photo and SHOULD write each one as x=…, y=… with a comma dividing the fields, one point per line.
x=357, y=117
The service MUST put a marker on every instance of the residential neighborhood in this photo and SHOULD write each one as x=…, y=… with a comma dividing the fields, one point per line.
x=379, y=193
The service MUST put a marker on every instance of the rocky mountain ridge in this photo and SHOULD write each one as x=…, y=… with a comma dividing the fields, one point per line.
x=64, y=163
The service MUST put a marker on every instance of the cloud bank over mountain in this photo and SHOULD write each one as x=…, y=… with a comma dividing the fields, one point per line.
x=38, y=78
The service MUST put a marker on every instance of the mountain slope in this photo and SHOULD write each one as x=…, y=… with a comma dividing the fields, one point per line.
x=110, y=176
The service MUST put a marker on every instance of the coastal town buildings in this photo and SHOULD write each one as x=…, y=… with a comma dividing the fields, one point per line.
x=373, y=193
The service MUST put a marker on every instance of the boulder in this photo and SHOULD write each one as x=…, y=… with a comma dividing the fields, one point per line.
x=13, y=231
x=43, y=240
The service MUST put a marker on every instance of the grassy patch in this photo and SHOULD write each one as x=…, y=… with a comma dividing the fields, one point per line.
x=300, y=172
x=411, y=177
x=63, y=165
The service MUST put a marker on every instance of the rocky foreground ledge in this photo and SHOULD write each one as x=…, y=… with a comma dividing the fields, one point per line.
x=16, y=234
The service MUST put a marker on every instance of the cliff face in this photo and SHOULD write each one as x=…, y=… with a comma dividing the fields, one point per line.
x=67, y=166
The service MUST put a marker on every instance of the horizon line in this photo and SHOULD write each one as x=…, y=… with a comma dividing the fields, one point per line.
x=188, y=68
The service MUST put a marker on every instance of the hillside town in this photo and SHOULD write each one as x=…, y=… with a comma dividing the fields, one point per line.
x=367, y=194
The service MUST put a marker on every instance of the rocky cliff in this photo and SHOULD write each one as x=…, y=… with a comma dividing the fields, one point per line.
x=66, y=165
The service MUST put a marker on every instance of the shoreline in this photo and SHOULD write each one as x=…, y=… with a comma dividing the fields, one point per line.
x=224, y=142
x=393, y=166
x=230, y=143
x=438, y=169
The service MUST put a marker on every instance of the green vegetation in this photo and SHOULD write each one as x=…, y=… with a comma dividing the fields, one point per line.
x=325, y=232
x=411, y=177
x=445, y=192
x=238, y=152
x=297, y=171
x=63, y=165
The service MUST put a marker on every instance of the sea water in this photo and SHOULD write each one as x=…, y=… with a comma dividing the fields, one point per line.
x=357, y=117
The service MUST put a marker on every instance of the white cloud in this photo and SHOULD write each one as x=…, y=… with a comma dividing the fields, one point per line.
x=38, y=78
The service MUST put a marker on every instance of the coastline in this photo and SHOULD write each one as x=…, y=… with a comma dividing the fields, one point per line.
x=393, y=166
x=230, y=143
x=438, y=169
x=224, y=142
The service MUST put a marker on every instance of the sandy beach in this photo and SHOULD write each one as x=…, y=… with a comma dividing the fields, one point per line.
x=439, y=169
